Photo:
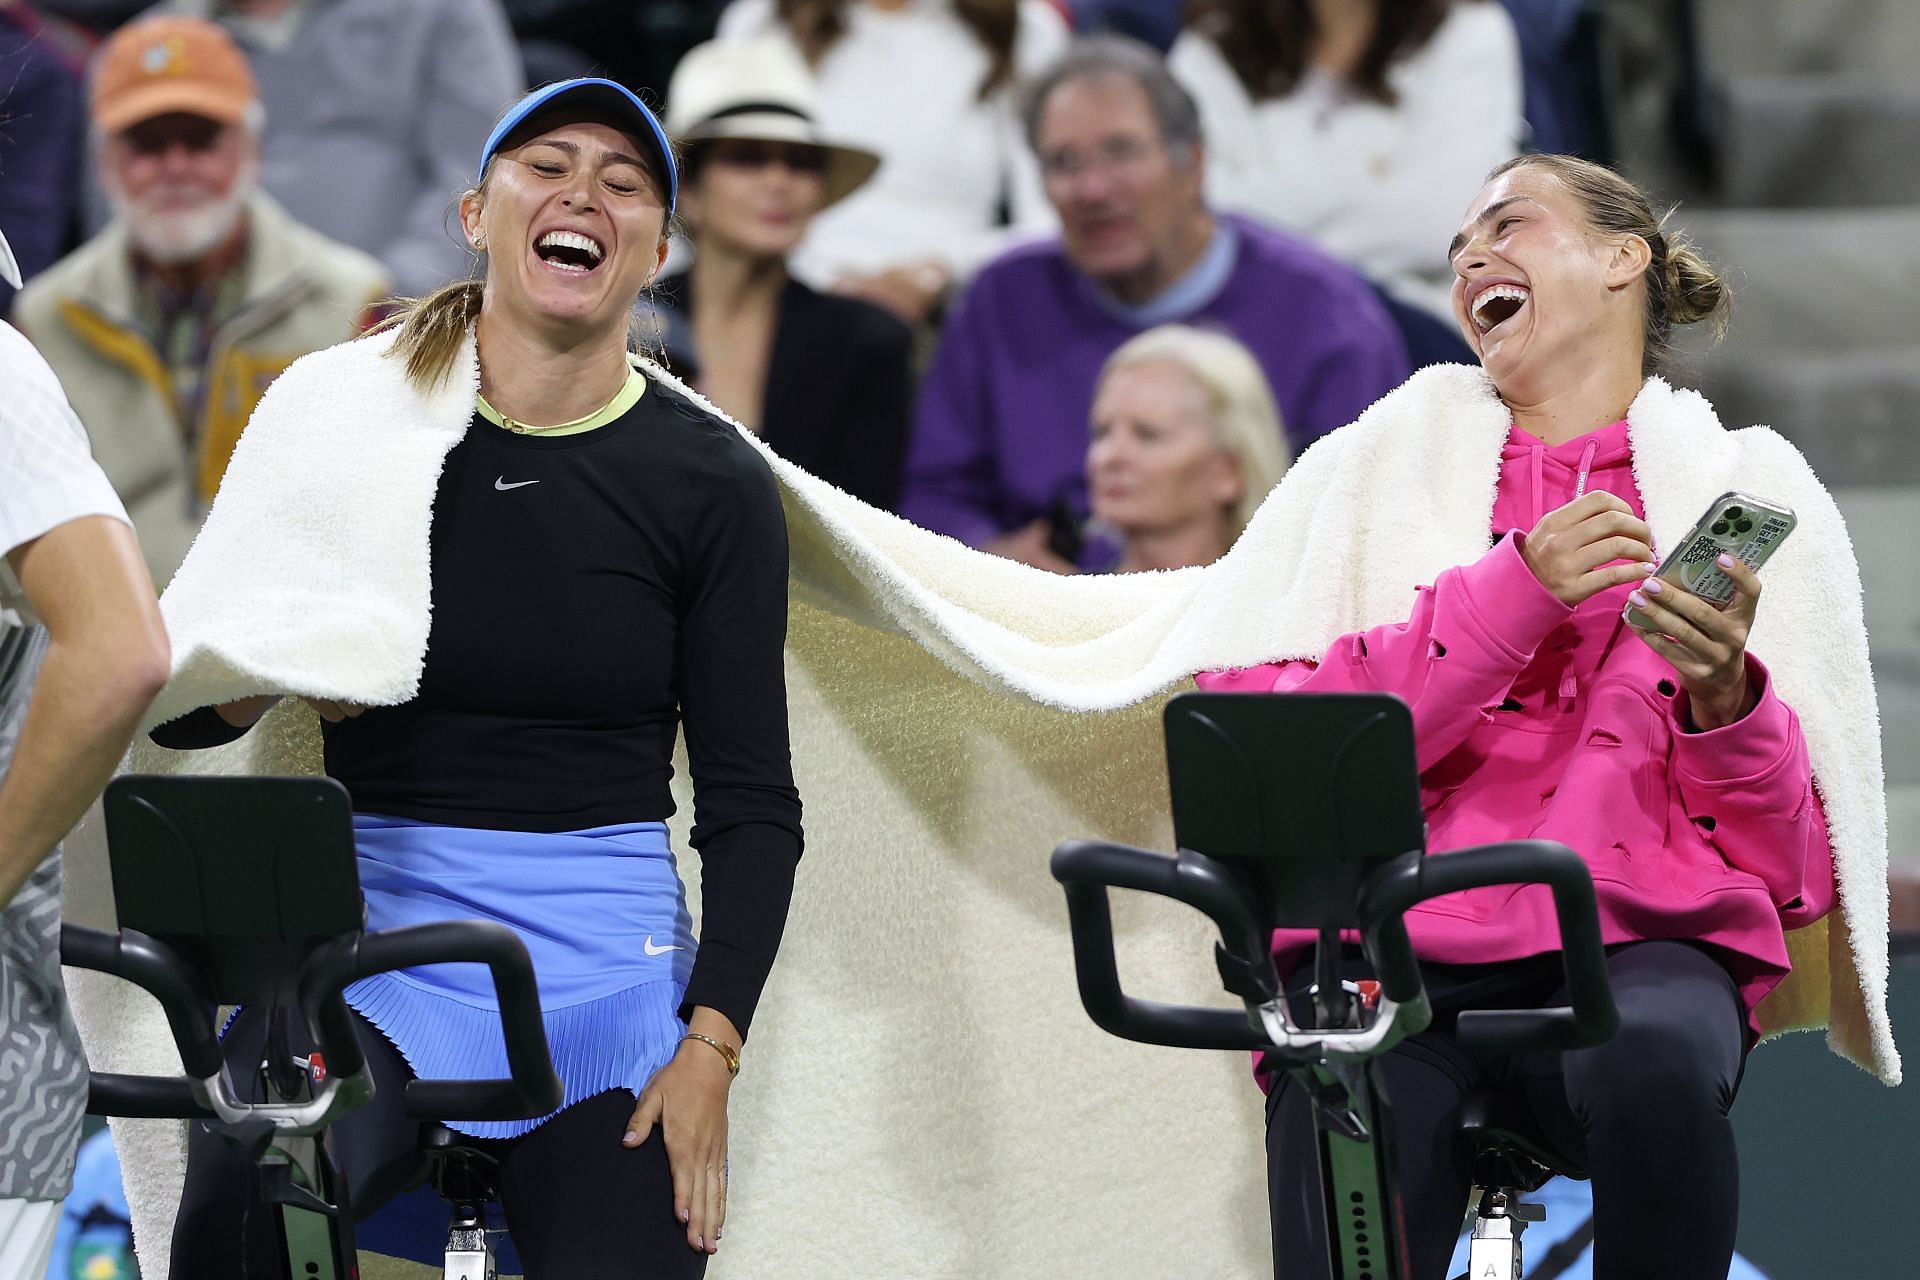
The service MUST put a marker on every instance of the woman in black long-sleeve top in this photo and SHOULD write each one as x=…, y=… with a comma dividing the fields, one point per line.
x=607, y=567
x=825, y=380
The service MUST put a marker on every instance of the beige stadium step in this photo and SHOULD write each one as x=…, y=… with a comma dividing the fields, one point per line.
x=1856, y=415
x=1815, y=280
x=1738, y=37
x=1842, y=139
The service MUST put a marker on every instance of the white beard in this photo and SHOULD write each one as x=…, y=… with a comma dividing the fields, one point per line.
x=173, y=236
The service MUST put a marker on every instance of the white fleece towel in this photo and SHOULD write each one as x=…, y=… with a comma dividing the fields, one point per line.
x=923, y=1095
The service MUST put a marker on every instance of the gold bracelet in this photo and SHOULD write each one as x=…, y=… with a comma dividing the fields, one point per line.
x=725, y=1050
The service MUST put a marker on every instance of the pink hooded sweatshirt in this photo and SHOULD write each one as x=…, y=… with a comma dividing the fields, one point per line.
x=1536, y=720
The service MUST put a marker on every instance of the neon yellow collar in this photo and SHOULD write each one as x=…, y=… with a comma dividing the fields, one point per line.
x=628, y=396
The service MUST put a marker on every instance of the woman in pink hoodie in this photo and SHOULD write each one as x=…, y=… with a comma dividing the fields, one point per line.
x=1664, y=758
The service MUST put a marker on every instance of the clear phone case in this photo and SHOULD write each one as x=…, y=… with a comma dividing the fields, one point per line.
x=1747, y=528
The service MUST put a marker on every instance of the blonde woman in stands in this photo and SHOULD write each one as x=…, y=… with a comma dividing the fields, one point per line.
x=929, y=86
x=1186, y=446
x=1671, y=759
x=1364, y=125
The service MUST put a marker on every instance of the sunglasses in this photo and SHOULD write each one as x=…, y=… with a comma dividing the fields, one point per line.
x=195, y=134
x=748, y=153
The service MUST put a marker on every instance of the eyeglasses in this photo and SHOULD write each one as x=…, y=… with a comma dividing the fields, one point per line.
x=196, y=135
x=753, y=153
x=1114, y=155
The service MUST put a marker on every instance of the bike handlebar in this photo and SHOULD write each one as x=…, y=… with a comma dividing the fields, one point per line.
x=1590, y=1017
x=533, y=1089
x=1087, y=868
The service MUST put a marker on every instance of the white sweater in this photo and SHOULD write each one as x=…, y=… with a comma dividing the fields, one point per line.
x=905, y=83
x=926, y=1097
x=1382, y=187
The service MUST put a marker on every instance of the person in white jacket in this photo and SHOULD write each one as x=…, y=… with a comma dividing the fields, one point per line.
x=929, y=86
x=1361, y=124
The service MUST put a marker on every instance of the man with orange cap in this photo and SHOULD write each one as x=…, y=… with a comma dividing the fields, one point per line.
x=167, y=327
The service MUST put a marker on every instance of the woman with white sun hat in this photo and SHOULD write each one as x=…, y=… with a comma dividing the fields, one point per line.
x=825, y=379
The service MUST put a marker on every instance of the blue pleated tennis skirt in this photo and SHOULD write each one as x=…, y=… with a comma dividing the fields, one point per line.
x=603, y=915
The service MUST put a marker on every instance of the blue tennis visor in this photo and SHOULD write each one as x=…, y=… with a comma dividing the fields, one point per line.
x=611, y=101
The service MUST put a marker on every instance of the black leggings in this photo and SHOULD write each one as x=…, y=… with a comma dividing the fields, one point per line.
x=580, y=1205
x=1645, y=1113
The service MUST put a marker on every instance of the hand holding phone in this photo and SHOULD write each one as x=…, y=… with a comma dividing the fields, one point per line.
x=1698, y=607
x=1738, y=525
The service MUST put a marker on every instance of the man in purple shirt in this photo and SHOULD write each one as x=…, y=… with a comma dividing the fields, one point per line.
x=1000, y=435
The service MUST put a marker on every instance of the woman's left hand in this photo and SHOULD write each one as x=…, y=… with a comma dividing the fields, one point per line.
x=688, y=1099
x=1707, y=647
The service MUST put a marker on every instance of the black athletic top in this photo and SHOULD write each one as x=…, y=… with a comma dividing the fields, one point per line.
x=590, y=592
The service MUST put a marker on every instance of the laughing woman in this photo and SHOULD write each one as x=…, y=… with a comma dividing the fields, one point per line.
x=1667, y=758
x=604, y=564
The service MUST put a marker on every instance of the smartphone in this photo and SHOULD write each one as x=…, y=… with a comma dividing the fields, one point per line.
x=1747, y=528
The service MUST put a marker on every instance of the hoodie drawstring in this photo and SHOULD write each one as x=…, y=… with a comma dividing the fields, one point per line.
x=1537, y=456
x=1569, y=686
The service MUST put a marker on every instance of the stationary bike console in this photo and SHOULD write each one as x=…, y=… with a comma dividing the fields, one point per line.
x=1302, y=811
x=244, y=891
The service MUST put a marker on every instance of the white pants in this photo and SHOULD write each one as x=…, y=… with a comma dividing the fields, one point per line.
x=26, y=1237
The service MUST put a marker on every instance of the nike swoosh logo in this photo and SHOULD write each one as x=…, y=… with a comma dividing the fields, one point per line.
x=656, y=951
x=502, y=485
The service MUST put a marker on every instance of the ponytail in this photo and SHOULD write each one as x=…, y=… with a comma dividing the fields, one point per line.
x=432, y=330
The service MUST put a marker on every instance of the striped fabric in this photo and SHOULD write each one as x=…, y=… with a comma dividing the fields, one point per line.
x=47, y=477
x=43, y=1073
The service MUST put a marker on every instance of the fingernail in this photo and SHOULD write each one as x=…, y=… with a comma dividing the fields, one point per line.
x=1637, y=600
x=1724, y=560
x=1653, y=585
x=685, y=1214
x=632, y=1137
x=701, y=1241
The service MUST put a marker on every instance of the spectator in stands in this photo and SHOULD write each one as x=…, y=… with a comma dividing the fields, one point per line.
x=374, y=112
x=930, y=86
x=1361, y=124
x=826, y=380
x=42, y=123
x=999, y=437
x=1186, y=446
x=168, y=326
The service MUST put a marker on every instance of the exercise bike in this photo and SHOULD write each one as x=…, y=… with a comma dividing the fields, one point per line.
x=236, y=891
x=1303, y=811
